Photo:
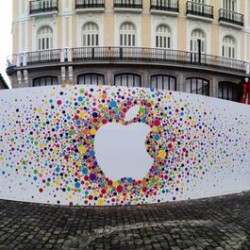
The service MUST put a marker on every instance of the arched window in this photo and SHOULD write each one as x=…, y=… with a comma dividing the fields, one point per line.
x=162, y=39
x=229, y=47
x=228, y=91
x=128, y=80
x=197, y=86
x=91, y=79
x=45, y=81
x=127, y=35
x=44, y=38
x=163, y=82
x=197, y=37
x=90, y=35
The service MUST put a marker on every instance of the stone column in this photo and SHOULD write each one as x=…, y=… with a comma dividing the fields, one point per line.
x=180, y=81
x=145, y=79
x=214, y=87
x=19, y=78
x=109, y=80
x=63, y=74
x=26, y=78
x=71, y=74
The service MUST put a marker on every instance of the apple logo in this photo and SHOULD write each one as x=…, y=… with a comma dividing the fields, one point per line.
x=120, y=149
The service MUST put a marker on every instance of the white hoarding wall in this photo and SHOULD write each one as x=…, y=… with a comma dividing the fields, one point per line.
x=90, y=145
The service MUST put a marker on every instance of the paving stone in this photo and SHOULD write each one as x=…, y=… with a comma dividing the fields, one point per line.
x=218, y=223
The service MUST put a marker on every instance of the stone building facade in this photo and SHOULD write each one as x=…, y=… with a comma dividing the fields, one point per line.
x=198, y=46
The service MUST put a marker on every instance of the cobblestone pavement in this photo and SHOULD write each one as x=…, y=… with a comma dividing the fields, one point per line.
x=214, y=223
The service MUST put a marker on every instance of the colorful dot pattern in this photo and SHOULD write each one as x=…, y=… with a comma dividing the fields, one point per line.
x=47, y=145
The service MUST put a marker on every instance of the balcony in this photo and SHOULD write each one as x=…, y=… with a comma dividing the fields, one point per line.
x=126, y=55
x=37, y=58
x=231, y=18
x=43, y=7
x=89, y=5
x=200, y=10
x=128, y=5
x=164, y=6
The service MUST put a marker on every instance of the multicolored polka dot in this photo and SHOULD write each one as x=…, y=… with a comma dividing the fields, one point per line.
x=47, y=145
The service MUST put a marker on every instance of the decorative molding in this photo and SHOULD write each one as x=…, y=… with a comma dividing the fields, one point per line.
x=37, y=23
x=82, y=19
x=119, y=19
x=171, y=22
x=235, y=34
x=204, y=27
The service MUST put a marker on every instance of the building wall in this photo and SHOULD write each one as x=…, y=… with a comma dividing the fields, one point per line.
x=67, y=25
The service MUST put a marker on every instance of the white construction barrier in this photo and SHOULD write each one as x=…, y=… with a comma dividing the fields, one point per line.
x=102, y=145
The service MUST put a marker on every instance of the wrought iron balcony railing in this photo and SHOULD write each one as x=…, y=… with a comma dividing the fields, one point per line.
x=39, y=57
x=83, y=55
x=231, y=17
x=199, y=9
x=43, y=6
x=86, y=4
x=131, y=4
x=165, y=5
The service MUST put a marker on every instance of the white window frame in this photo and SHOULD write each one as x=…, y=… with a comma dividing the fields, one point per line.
x=90, y=35
x=163, y=37
x=196, y=35
x=44, y=38
x=127, y=35
x=229, y=47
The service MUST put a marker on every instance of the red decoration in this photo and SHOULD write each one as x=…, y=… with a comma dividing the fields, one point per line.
x=245, y=98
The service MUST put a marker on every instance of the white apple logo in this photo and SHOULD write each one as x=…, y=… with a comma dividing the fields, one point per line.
x=120, y=149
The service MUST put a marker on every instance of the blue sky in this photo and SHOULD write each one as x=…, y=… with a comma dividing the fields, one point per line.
x=6, y=40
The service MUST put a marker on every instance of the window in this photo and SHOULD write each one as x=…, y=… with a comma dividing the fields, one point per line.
x=45, y=38
x=128, y=80
x=90, y=35
x=229, y=91
x=197, y=37
x=228, y=47
x=45, y=81
x=163, y=82
x=197, y=5
x=197, y=86
x=162, y=39
x=229, y=5
x=197, y=45
x=127, y=35
x=91, y=79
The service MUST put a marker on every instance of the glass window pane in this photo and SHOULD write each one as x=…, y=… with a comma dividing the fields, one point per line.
x=45, y=81
x=91, y=79
x=127, y=34
x=128, y=80
x=228, y=91
x=197, y=86
x=90, y=34
x=163, y=82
